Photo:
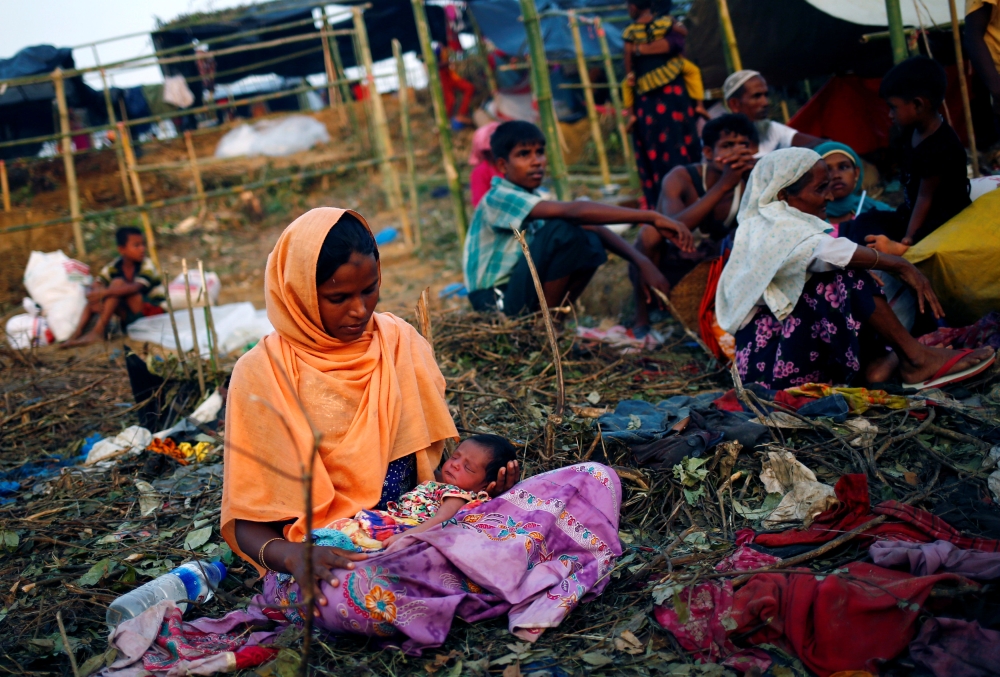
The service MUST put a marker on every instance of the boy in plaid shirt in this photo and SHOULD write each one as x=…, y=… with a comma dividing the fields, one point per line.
x=567, y=240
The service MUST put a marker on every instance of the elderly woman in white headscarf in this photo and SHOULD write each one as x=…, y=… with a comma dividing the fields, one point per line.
x=802, y=304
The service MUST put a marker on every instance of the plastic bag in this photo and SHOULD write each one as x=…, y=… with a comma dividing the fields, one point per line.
x=236, y=325
x=178, y=294
x=58, y=284
x=29, y=330
x=131, y=440
x=274, y=138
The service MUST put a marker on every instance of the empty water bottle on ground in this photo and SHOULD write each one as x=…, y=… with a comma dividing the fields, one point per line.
x=194, y=581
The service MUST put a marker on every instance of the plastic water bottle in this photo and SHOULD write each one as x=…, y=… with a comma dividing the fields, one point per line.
x=193, y=581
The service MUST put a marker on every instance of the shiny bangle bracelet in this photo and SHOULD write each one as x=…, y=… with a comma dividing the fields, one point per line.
x=260, y=554
x=874, y=265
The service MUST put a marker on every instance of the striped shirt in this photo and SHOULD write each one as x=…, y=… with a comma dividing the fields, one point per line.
x=152, y=284
x=660, y=76
x=491, y=250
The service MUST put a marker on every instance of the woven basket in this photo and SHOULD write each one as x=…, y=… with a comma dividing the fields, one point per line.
x=687, y=294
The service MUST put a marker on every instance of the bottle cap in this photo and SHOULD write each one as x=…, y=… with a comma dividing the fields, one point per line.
x=222, y=569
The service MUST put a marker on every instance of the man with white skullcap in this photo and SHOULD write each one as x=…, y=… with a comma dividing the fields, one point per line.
x=746, y=92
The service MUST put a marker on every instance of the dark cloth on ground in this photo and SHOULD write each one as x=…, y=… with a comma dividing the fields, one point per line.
x=559, y=249
x=834, y=622
x=906, y=523
x=929, y=558
x=665, y=135
x=826, y=339
x=833, y=406
x=948, y=647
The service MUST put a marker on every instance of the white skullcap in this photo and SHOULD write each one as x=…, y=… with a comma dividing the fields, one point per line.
x=737, y=80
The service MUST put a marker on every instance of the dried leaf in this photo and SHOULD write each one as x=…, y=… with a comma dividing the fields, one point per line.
x=96, y=573
x=596, y=658
x=197, y=538
x=512, y=670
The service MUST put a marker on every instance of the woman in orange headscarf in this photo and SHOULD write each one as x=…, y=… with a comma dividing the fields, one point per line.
x=360, y=389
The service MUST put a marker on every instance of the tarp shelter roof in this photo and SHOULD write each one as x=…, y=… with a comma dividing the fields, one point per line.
x=500, y=22
x=386, y=20
x=873, y=13
x=790, y=40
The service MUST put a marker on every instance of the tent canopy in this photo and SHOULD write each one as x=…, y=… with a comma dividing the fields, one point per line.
x=872, y=12
x=500, y=22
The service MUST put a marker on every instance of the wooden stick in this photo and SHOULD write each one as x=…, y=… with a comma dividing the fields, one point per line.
x=199, y=187
x=140, y=199
x=119, y=154
x=729, y=46
x=673, y=311
x=411, y=162
x=897, y=34
x=66, y=646
x=784, y=111
x=209, y=321
x=383, y=138
x=173, y=325
x=542, y=88
x=964, y=87
x=481, y=53
x=549, y=328
x=616, y=102
x=66, y=144
x=345, y=89
x=588, y=96
x=194, y=327
x=4, y=186
x=54, y=400
x=441, y=116
x=424, y=317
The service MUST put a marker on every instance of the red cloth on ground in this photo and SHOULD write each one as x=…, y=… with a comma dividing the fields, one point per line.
x=450, y=82
x=731, y=402
x=834, y=622
x=914, y=525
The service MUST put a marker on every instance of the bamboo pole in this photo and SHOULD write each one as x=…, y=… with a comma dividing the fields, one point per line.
x=173, y=326
x=194, y=327
x=213, y=338
x=964, y=87
x=66, y=145
x=119, y=155
x=390, y=177
x=542, y=87
x=588, y=96
x=897, y=35
x=616, y=102
x=332, y=92
x=411, y=163
x=342, y=82
x=784, y=111
x=441, y=115
x=484, y=59
x=4, y=186
x=199, y=187
x=140, y=199
x=731, y=49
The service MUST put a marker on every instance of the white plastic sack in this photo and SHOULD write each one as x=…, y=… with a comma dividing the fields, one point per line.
x=58, y=284
x=983, y=185
x=176, y=91
x=274, y=138
x=178, y=293
x=236, y=325
x=28, y=331
x=131, y=440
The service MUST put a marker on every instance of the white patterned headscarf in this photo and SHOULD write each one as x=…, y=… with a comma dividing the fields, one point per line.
x=774, y=242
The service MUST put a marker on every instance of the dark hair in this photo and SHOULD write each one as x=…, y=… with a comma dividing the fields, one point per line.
x=509, y=134
x=641, y=4
x=501, y=451
x=662, y=7
x=348, y=236
x=800, y=184
x=124, y=233
x=734, y=123
x=918, y=76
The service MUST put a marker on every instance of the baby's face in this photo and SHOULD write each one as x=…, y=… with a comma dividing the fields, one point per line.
x=466, y=468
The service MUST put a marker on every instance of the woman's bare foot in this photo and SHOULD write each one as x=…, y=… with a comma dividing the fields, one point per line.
x=881, y=369
x=884, y=245
x=929, y=360
x=86, y=339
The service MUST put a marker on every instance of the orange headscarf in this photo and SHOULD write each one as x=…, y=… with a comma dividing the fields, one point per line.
x=373, y=400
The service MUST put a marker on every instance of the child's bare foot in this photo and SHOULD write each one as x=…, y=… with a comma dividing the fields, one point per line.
x=884, y=245
x=929, y=360
x=86, y=339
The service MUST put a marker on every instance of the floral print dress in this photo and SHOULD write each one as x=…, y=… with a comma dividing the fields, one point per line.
x=826, y=338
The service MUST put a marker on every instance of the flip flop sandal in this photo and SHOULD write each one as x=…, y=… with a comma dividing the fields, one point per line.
x=943, y=378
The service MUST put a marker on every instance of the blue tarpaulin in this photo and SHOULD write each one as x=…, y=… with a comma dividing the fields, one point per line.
x=500, y=22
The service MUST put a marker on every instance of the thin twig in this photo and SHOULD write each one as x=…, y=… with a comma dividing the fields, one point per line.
x=66, y=646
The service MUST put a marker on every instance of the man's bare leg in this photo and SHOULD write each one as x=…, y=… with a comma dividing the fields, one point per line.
x=917, y=362
x=650, y=243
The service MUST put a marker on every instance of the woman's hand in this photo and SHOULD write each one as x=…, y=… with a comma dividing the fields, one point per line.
x=675, y=231
x=324, y=561
x=652, y=278
x=922, y=288
x=506, y=478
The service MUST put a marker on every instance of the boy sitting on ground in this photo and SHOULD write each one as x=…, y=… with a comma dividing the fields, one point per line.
x=936, y=184
x=129, y=287
x=567, y=240
x=704, y=197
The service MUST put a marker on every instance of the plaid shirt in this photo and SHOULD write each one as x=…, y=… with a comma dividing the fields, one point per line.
x=152, y=284
x=491, y=250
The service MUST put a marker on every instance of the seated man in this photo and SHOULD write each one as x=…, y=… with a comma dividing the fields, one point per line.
x=567, y=240
x=129, y=287
x=746, y=92
x=704, y=197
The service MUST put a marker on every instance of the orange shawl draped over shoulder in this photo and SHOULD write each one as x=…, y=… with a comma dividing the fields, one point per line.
x=372, y=401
